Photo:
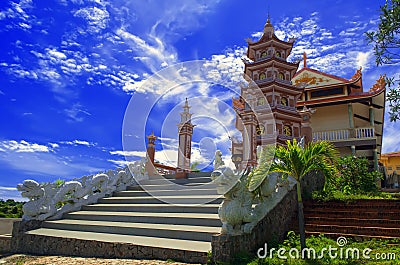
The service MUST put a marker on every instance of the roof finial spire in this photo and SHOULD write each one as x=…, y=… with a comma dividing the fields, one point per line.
x=269, y=17
x=305, y=59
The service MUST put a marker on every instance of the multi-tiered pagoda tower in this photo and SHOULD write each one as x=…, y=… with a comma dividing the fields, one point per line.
x=266, y=111
x=185, y=132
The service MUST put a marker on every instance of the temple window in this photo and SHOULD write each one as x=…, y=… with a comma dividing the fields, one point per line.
x=278, y=54
x=269, y=74
x=260, y=130
x=262, y=76
x=261, y=101
x=263, y=54
x=281, y=76
x=287, y=130
x=284, y=101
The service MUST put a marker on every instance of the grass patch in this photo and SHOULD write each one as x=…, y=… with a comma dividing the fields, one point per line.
x=341, y=196
x=379, y=248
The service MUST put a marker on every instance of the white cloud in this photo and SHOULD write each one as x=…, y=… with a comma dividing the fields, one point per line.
x=23, y=147
x=154, y=52
x=11, y=193
x=129, y=153
x=77, y=112
x=97, y=18
x=47, y=163
x=363, y=59
x=7, y=188
x=78, y=142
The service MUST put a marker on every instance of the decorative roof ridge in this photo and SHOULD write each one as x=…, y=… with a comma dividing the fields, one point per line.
x=290, y=42
x=322, y=73
x=357, y=75
x=379, y=85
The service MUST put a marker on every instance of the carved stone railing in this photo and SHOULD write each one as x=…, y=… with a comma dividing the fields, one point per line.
x=344, y=134
x=51, y=200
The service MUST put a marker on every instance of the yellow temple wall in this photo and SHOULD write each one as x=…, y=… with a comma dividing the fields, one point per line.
x=330, y=118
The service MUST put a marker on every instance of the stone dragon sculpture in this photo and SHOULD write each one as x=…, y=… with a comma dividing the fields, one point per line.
x=246, y=203
x=51, y=200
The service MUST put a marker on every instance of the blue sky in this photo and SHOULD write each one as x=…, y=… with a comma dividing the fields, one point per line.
x=71, y=70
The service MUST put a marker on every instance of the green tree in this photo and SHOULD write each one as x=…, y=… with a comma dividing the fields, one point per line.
x=355, y=176
x=296, y=161
x=386, y=41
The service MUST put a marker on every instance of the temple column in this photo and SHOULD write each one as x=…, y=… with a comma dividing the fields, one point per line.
x=372, y=123
x=351, y=125
x=375, y=159
x=371, y=116
x=151, y=151
x=249, y=143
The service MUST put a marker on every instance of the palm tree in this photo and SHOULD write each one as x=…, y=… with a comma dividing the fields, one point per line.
x=296, y=161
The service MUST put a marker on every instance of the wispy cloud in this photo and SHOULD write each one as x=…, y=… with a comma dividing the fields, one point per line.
x=77, y=112
x=10, y=193
x=79, y=142
x=23, y=147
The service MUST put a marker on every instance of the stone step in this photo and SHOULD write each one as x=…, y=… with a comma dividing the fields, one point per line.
x=353, y=222
x=164, y=243
x=358, y=230
x=172, y=186
x=139, y=217
x=164, y=181
x=166, y=192
x=187, y=199
x=185, y=232
x=353, y=213
x=162, y=208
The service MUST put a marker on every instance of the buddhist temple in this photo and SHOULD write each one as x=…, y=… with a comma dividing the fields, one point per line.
x=281, y=103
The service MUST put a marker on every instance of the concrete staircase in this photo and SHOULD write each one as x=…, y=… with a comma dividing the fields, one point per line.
x=159, y=216
x=358, y=219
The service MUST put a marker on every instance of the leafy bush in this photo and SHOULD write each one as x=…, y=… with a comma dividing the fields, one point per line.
x=354, y=181
x=355, y=176
x=10, y=209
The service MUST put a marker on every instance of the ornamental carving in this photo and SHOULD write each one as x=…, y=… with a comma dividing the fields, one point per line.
x=310, y=80
x=238, y=104
x=357, y=75
x=380, y=83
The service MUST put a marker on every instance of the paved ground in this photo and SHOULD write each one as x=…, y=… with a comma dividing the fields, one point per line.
x=57, y=260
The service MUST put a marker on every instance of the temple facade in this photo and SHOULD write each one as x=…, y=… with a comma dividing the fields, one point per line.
x=343, y=113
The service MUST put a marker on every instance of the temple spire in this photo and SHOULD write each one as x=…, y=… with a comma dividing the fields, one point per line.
x=305, y=59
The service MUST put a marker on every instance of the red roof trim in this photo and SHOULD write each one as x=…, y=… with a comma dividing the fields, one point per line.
x=327, y=100
x=322, y=73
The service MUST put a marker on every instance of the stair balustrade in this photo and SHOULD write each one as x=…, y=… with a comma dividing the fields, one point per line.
x=52, y=200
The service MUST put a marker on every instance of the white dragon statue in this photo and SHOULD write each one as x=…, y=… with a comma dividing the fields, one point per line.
x=51, y=200
x=242, y=207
